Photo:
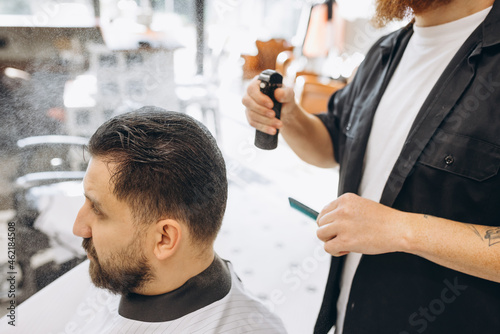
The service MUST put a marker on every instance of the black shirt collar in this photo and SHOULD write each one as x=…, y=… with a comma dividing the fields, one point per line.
x=209, y=286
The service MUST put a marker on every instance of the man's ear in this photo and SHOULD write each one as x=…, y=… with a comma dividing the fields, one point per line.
x=168, y=235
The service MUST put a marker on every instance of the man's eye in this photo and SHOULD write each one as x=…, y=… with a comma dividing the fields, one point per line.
x=94, y=209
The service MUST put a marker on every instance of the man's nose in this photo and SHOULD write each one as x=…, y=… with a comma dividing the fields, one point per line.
x=80, y=226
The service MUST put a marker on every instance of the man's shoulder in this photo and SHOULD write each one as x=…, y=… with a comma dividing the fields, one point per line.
x=248, y=313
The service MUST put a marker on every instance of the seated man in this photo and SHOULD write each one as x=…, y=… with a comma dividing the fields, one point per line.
x=156, y=192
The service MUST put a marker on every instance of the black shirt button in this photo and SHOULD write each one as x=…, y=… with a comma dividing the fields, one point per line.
x=449, y=160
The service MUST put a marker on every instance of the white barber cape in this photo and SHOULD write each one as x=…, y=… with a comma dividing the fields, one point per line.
x=212, y=302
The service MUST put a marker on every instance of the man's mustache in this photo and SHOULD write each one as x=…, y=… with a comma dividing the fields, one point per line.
x=88, y=246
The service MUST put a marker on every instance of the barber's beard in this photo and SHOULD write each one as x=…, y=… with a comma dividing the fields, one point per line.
x=122, y=272
x=392, y=10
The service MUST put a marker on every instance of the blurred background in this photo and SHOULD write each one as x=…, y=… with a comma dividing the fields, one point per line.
x=66, y=66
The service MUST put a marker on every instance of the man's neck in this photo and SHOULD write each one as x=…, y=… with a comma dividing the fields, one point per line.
x=452, y=11
x=179, y=270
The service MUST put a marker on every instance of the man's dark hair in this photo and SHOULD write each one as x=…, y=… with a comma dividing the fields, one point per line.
x=168, y=165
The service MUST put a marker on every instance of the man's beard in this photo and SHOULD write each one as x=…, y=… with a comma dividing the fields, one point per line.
x=391, y=10
x=122, y=272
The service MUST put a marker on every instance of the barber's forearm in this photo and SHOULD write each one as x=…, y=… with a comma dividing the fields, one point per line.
x=471, y=249
x=308, y=138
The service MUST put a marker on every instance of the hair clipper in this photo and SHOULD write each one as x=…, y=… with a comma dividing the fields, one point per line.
x=269, y=81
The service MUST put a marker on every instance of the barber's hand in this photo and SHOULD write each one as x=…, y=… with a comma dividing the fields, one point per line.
x=355, y=224
x=259, y=106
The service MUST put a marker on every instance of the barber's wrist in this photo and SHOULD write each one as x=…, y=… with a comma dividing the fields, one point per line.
x=413, y=233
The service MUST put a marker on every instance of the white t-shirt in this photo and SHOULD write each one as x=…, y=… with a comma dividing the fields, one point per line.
x=429, y=51
x=72, y=304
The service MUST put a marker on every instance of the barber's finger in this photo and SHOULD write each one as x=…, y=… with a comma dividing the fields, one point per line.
x=263, y=123
x=252, y=105
x=253, y=91
x=326, y=214
x=284, y=94
x=334, y=248
x=327, y=232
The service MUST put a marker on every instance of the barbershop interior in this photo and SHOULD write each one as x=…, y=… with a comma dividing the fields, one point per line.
x=67, y=66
